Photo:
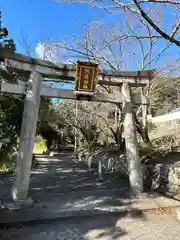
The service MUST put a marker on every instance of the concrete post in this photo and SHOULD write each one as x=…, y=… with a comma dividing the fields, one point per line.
x=28, y=131
x=100, y=169
x=134, y=165
x=75, y=129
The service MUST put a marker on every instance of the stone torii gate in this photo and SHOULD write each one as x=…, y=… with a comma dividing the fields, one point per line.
x=33, y=89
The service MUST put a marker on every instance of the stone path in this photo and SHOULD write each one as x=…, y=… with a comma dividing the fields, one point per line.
x=59, y=174
x=149, y=227
x=63, y=188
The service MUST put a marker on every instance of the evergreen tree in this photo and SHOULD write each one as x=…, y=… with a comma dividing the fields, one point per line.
x=10, y=106
x=5, y=41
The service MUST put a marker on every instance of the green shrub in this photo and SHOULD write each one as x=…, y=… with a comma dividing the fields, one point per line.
x=40, y=145
x=5, y=168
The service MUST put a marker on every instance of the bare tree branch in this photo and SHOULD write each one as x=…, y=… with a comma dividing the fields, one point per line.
x=161, y=1
x=134, y=7
x=152, y=24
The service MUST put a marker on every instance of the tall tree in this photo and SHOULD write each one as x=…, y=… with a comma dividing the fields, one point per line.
x=10, y=106
x=5, y=41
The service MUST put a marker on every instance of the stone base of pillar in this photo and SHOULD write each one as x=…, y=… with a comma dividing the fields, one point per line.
x=136, y=192
x=51, y=154
x=15, y=205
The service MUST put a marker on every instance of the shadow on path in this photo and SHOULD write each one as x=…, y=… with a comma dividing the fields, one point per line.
x=99, y=228
x=60, y=174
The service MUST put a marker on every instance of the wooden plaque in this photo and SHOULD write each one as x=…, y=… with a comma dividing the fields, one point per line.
x=86, y=78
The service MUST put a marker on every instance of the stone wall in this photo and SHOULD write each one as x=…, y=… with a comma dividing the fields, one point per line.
x=162, y=174
x=164, y=178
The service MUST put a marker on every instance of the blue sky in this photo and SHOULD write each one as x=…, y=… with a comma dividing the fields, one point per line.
x=48, y=20
x=43, y=19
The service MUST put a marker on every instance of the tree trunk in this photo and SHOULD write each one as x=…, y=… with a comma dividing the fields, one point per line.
x=142, y=127
x=143, y=131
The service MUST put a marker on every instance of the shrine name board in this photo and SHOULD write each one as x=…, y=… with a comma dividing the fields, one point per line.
x=86, y=77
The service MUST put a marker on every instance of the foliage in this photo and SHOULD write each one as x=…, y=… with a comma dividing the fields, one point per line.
x=88, y=121
x=164, y=95
x=40, y=145
x=10, y=116
x=5, y=41
x=11, y=106
x=5, y=168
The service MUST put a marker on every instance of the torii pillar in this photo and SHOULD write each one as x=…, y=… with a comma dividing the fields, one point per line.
x=27, y=136
x=132, y=151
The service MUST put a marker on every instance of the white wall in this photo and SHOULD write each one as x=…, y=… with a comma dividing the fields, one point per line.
x=164, y=118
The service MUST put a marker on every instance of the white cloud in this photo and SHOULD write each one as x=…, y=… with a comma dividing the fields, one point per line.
x=44, y=51
x=47, y=51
